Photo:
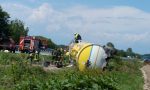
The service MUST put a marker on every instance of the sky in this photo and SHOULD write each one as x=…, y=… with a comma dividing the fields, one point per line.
x=125, y=23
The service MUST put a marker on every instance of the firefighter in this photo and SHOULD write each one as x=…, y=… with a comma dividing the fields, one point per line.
x=54, y=52
x=36, y=56
x=77, y=38
x=58, y=55
x=30, y=57
x=59, y=58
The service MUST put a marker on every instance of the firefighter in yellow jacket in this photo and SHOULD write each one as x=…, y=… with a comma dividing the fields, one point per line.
x=77, y=38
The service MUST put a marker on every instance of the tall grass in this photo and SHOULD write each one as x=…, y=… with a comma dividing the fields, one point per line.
x=17, y=73
x=128, y=73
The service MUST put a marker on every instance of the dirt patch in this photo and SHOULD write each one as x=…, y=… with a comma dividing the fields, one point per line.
x=146, y=74
x=47, y=68
x=51, y=67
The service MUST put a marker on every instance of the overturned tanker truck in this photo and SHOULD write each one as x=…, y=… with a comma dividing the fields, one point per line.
x=88, y=55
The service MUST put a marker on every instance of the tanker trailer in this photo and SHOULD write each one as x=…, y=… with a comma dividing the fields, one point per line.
x=88, y=55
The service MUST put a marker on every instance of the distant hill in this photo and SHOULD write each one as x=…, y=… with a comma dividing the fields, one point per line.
x=51, y=44
x=62, y=46
x=145, y=56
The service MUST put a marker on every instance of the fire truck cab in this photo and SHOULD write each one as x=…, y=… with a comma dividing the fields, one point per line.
x=29, y=44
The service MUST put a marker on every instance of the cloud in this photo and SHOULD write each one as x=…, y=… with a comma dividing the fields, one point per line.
x=118, y=24
x=16, y=10
x=41, y=13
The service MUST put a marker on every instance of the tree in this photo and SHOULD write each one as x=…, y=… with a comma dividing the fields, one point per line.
x=51, y=44
x=18, y=29
x=129, y=50
x=4, y=26
x=110, y=49
x=121, y=53
x=109, y=44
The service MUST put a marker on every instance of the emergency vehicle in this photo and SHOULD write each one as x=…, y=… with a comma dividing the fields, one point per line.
x=29, y=44
x=7, y=43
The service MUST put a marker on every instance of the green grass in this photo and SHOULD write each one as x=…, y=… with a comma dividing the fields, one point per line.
x=17, y=73
x=128, y=73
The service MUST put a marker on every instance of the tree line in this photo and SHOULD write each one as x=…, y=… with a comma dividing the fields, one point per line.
x=15, y=28
x=123, y=53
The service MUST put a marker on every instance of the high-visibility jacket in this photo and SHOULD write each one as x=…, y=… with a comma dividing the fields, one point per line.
x=77, y=37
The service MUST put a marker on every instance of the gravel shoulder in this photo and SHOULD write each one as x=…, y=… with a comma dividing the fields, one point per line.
x=146, y=74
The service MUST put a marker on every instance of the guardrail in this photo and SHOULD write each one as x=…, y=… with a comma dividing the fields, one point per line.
x=45, y=52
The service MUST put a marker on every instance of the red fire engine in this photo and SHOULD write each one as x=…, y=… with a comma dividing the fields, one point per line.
x=29, y=44
x=32, y=44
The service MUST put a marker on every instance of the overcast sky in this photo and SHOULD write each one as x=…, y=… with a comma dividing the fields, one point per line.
x=125, y=23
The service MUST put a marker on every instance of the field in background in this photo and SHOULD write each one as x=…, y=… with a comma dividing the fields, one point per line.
x=17, y=73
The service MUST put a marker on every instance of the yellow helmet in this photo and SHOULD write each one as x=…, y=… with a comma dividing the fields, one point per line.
x=75, y=33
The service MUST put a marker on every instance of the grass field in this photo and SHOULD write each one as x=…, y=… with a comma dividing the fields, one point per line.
x=16, y=73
